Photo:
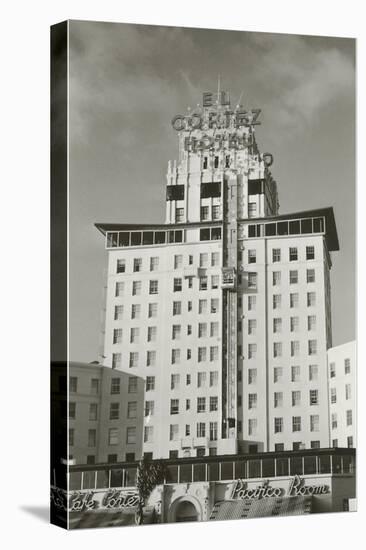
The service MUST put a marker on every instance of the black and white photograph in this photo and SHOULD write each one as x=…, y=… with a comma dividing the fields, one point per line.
x=204, y=368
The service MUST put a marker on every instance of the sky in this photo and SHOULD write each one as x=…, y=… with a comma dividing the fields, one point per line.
x=128, y=81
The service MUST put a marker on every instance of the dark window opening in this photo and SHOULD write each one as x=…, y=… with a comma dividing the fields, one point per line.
x=148, y=237
x=136, y=239
x=210, y=189
x=175, y=192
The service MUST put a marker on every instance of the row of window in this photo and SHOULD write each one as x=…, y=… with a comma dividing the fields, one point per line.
x=176, y=356
x=203, y=429
x=277, y=253
x=202, y=332
x=287, y=227
x=313, y=372
x=278, y=399
x=334, y=419
x=278, y=349
x=346, y=364
x=137, y=265
x=113, y=436
x=277, y=324
x=279, y=424
x=347, y=393
x=201, y=379
x=203, y=405
x=293, y=277
x=114, y=410
x=294, y=300
x=152, y=310
x=136, y=290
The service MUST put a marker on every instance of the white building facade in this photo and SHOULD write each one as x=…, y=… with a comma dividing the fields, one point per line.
x=342, y=394
x=224, y=310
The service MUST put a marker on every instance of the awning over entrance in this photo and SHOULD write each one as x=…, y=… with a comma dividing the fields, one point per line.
x=109, y=518
x=254, y=508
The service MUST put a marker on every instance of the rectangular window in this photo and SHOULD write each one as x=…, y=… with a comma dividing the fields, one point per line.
x=175, y=356
x=252, y=426
x=73, y=384
x=333, y=395
x=94, y=386
x=294, y=277
x=174, y=406
x=215, y=259
x=334, y=421
x=134, y=335
x=215, y=280
x=214, y=403
x=252, y=401
x=252, y=376
x=347, y=366
x=119, y=289
x=277, y=374
x=173, y=432
x=295, y=348
x=348, y=391
x=213, y=431
x=294, y=324
x=203, y=259
x=278, y=425
x=252, y=326
x=118, y=312
x=295, y=373
x=189, y=351
x=150, y=383
x=131, y=410
x=277, y=349
x=132, y=384
x=174, y=381
x=72, y=410
x=252, y=351
x=332, y=370
x=314, y=423
x=313, y=372
x=92, y=438
x=203, y=283
x=252, y=302
x=176, y=332
x=296, y=398
x=277, y=325
x=117, y=336
x=177, y=308
x=201, y=404
x=115, y=386
x=311, y=299
x=293, y=254
x=134, y=359
x=296, y=423
x=214, y=353
x=276, y=255
x=121, y=266
x=177, y=286
x=310, y=275
x=252, y=256
x=137, y=264
x=294, y=300
x=113, y=436
x=93, y=411
x=201, y=429
x=149, y=408
x=148, y=434
x=276, y=278
x=151, y=358
x=276, y=301
x=153, y=310
x=131, y=435
x=252, y=210
x=214, y=329
x=114, y=411
x=214, y=305
x=313, y=397
x=278, y=399
x=216, y=214
x=135, y=311
x=201, y=379
x=151, y=334
x=136, y=288
x=116, y=360
x=179, y=214
x=154, y=263
x=214, y=378
x=178, y=261
x=312, y=347
x=349, y=418
x=252, y=280
x=310, y=253
x=205, y=213
x=311, y=322
x=153, y=287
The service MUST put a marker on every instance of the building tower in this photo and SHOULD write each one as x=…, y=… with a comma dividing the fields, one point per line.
x=225, y=308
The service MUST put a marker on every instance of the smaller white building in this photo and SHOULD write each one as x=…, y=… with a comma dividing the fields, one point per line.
x=342, y=394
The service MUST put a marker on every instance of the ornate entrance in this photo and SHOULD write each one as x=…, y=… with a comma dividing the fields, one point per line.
x=186, y=511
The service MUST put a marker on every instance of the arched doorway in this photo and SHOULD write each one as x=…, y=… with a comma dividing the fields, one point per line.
x=186, y=511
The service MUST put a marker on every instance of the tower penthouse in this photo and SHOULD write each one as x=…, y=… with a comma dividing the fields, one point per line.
x=224, y=309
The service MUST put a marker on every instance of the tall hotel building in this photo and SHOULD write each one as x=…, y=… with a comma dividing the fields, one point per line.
x=224, y=309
